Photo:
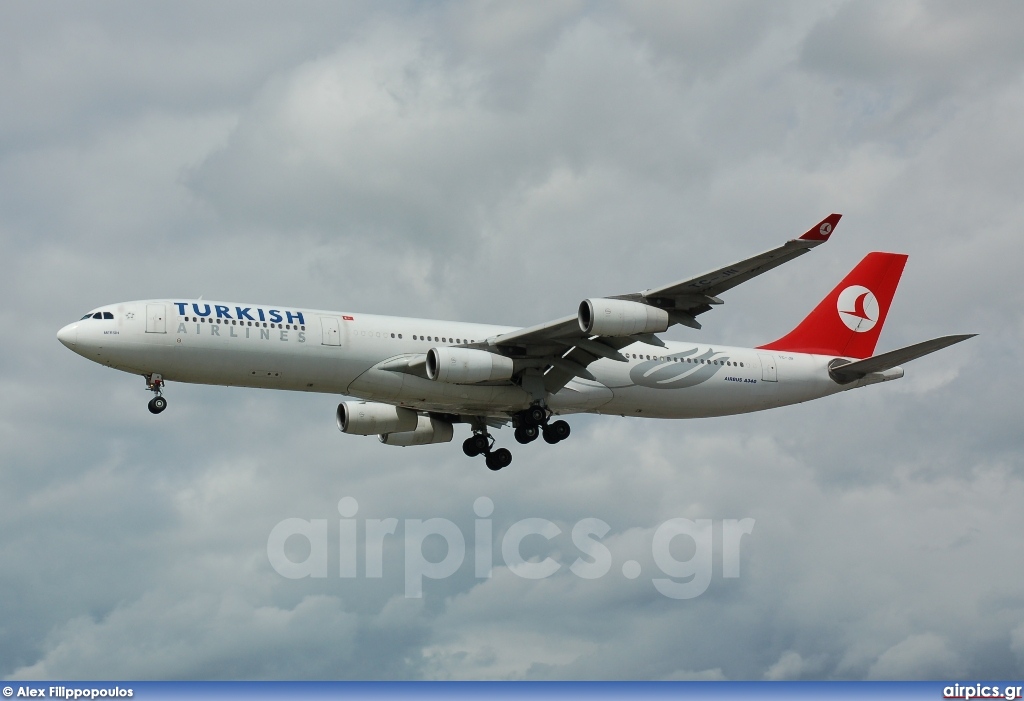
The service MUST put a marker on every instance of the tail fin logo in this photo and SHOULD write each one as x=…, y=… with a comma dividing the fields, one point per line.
x=858, y=308
x=825, y=229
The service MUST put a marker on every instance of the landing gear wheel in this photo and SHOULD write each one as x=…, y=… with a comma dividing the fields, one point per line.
x=155, y=383
x=502, y=457
x=482, y=442
x=477, y=444
x=549, y=435
x=536, y=415
x=469, y=447
x=527, y=434
x=556, y=432
x=561, y=430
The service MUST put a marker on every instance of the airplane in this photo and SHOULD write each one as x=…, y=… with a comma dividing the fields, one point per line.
x=412, y=380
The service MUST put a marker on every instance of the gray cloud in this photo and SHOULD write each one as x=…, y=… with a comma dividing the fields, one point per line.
x=499, y=163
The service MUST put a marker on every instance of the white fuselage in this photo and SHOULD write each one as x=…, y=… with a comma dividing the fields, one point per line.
x=343, y=353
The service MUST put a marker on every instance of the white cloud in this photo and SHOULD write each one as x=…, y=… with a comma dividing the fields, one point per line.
x=790, y=666
x=925, y=656
x=499, y=163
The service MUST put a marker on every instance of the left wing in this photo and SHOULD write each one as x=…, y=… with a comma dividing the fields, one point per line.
x=559, y=350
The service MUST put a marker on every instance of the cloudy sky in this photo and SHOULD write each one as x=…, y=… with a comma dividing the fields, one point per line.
x=498, y=162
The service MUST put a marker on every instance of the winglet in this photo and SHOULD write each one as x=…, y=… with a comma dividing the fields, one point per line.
x=823, y=229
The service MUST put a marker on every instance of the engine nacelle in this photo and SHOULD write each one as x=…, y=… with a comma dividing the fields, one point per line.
x=368, y=418
x=429, y=430
x=620, y=317
x=464, y=366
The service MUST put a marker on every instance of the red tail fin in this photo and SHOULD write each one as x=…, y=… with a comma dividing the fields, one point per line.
x=849, y=320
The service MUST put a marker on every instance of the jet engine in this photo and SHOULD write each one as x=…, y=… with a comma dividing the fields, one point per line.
x=368, y=418
x=464, y=366
x=620, y=317
x=429, y=430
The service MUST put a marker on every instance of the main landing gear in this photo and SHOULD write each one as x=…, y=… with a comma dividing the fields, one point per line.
x=530, y=425
x=155, y=384
x=481, y=442
x=533, y=422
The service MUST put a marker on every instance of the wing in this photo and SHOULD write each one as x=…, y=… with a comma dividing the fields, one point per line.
x=557, y=351
x=696, y=295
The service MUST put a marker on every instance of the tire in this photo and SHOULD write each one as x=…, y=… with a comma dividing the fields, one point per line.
x=469, y=447
x=502, y=457
x=550, y=437
x=481, y=442
x=157, y=404
x=527, y=434
x=492, y=463
x=561, y=430
x=536, y=415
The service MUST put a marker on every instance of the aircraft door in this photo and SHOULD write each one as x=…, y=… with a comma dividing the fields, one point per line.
x=156, y=318
x=331, y=331
x=768, y=371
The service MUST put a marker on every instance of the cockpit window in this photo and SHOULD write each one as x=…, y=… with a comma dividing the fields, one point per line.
x=87, y=316
x=108, y=315
x=97, y=315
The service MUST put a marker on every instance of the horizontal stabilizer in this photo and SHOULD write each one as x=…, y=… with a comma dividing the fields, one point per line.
x=850, y=372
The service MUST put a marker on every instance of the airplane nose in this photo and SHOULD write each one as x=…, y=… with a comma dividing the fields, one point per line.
x=68, y=335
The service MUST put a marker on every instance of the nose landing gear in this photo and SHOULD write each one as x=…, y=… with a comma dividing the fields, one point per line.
x=155, y=384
